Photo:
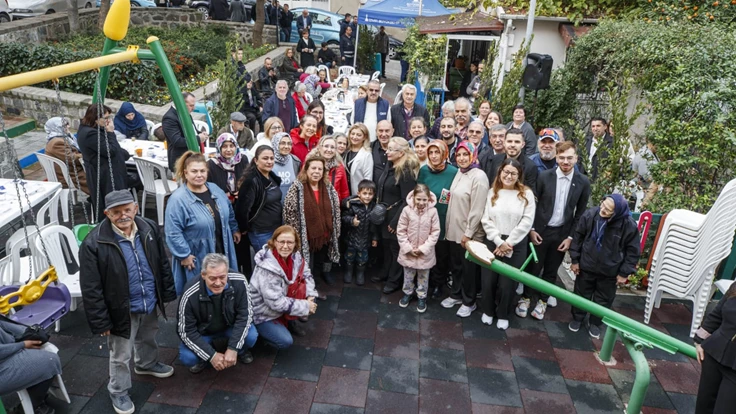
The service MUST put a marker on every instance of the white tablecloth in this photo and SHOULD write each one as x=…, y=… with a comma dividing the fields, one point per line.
x=38, y=192
x=153, y=150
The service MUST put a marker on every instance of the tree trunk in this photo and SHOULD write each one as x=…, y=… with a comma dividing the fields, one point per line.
x=73, y=14
x=104, y=8
x=260, y=20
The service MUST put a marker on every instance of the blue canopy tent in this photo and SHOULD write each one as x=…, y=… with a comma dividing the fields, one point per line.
x=393, y=13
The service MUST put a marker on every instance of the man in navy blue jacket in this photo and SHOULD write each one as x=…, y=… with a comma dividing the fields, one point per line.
x=281, y=105
x=372, y=109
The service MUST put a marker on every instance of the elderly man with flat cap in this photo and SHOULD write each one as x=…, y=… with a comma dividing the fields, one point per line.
x=237, y=127
x=125, y=276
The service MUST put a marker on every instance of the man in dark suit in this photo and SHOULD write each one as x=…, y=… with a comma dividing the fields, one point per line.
x=513, y=145
x=403, y=112
x=562, y=195
x=304, y=21
x=172, y=128
x=597, y=145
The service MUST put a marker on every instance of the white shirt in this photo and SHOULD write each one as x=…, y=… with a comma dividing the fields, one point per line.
x=370, y=119
x=593, y=148
x=563, y=190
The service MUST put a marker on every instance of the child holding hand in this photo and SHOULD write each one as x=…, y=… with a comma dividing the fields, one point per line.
x=418, y=232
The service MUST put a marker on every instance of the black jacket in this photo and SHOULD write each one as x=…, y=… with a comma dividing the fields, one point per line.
x=604, y=145
x=379, y=160
x=720, y=323
x=195, y=314
x=577, y=200
x=218, y=176
x=401, y=128
x=175, y=139
x=360, y=237
x=87, y=139
x=257, y=103
x=393, y=194
x=619, y=252
x=326, y=56
x=266, y=81
x=307, y=58
x=103, y=276
x=251, y=196
x=285, y=19
x=491, y=165
x=219, y=10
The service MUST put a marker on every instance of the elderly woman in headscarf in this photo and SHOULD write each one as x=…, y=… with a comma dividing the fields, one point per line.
x=228, y=166
x=130, y=122
x=286, y=165
x=438, y=175
x=604, y=251
x=62, y=145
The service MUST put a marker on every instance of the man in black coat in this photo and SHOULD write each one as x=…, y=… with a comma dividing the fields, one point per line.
x=124, y=276
x=597, y=145
x=267, y=76
x=562, y=196
x=513, y=145
x=175, y=140
x=215, y=318
x=219, y=10
x=384, y=132
x=252, y=104
x=285, y=19
x=404, y=111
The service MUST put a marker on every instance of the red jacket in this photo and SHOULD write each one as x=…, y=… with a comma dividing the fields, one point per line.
x=339, y=180
x=301, y=148
x=300, y=110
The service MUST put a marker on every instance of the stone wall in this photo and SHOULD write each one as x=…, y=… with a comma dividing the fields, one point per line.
x=56, y=26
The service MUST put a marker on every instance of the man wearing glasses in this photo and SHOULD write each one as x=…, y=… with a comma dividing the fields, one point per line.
x=372, y=109
x=562, y=195
x=513, y=147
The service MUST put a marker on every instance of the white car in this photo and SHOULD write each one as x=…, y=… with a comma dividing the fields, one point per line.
x=5, y=15
x=31, y=8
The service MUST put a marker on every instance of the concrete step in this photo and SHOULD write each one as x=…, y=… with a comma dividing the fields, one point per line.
x=16, y=126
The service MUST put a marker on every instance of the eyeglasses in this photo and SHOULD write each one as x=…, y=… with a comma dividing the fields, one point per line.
x=509, y=173
x=285, y=242
x=277, y=126
x=374, y=90
x=470, y=131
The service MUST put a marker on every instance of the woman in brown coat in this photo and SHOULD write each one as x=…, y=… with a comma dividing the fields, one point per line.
x=63, y=146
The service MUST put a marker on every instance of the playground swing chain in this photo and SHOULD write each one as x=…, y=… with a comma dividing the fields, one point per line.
x=100, y=114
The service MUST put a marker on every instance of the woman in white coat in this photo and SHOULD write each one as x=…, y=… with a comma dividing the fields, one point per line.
x=358, y=158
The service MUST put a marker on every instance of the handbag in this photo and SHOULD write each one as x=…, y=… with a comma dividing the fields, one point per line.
x=32, y=332
x=377, y=216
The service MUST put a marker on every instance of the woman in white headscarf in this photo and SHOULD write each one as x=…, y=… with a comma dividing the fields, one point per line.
x=63, y=145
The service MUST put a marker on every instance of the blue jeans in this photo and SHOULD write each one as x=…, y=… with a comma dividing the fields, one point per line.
x=352, y=255
x=275, y=334
x=257, y=240
x=404, y=70
x=190, y=359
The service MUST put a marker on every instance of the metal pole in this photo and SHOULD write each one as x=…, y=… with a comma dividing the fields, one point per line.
x=609, y=340
x=421, y=3
x=643, y=376
x=181, y=108
x=528, y=39
x=104, y=72
x=547, y=288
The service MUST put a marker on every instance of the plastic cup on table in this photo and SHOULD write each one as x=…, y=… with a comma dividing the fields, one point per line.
x=139, y=152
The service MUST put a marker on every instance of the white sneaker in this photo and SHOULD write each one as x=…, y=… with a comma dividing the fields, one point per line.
x=523, y=307
x=502, y=324
x=538, y=312
x=520, y=289
x=450, y=302
x=465, y=311
x=488, y=320
x=552, y=302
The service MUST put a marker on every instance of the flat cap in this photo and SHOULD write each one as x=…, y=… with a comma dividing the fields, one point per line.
x=118, y=198
x=238, y=117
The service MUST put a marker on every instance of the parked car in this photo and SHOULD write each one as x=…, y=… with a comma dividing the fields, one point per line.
x=204, y=7
x=5, y=15
x=31, y=8
x=136, y=3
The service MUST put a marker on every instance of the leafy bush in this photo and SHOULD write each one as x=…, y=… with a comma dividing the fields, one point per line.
x=682, y=75
x=425, y=54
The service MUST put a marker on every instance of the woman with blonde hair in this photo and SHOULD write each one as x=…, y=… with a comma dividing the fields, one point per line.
x=335, y=168
x=271, y=127
x=199, y=220
x=312, y=207
x=393, y=186
x=358, y=157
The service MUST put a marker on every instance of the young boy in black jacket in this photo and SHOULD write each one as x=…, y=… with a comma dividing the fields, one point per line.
x=361, y=233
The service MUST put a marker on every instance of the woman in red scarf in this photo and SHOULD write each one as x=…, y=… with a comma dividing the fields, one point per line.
x=281, y=289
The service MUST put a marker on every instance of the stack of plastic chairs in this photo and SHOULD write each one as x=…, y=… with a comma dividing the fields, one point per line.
x=690, y=247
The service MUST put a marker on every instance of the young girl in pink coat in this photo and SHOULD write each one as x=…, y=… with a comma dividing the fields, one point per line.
x=418, y=232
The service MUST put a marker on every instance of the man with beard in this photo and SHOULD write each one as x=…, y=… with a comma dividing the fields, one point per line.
x=562, y=194
x=403, y=112
x=513, y=146
x=545, y=158
x=519, y=122
x=447, y=133
x=267, y=77
x=462, y=117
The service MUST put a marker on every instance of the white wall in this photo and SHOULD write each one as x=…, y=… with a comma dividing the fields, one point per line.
x=547, y=40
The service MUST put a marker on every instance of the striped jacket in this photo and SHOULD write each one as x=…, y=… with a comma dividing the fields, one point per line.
x=195, y=314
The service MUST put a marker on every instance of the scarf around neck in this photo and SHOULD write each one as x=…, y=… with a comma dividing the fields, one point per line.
x=122, y=123
x=620, y=211
x=318, y=215
x=228, y=164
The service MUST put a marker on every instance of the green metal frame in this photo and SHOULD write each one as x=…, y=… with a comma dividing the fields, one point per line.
x=634, y=335
x=157, y=55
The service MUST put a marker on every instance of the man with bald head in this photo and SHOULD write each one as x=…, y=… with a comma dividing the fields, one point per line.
x=384, y=132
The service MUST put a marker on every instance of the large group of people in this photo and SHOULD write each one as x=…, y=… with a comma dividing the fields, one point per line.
x=255, y=230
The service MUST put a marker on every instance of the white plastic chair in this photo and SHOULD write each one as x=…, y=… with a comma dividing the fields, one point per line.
x=52, y=208
x=376, y=75
x=383, y=85
x=49, y=163
x=6, y=270
x=149, y=126
x=58, y=389
x=346, y=71
x=201, y=126
x=327, y=72
x=21, y=267
x=159, y=187
x=308, y=97
x=54, y=237
x=153, y=129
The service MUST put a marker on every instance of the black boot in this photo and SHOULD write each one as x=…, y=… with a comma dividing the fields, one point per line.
x=327, y=274
x=360, y=275
x=347, y=277
x=295, y=329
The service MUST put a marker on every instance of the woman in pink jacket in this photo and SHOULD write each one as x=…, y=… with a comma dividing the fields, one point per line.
x=418, y=232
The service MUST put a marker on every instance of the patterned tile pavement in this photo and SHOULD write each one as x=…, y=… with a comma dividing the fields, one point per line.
x=365, y=354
